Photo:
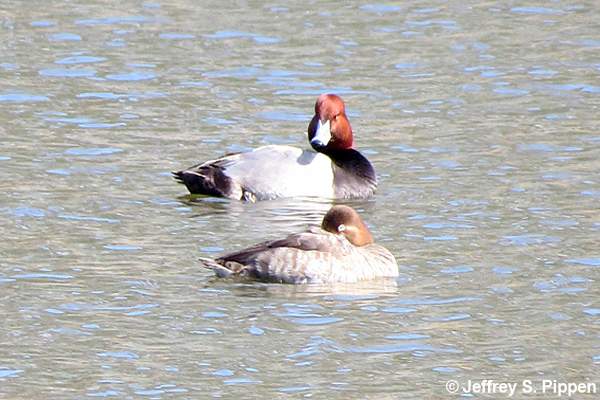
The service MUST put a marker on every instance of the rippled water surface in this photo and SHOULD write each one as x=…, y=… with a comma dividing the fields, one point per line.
x=482, y=121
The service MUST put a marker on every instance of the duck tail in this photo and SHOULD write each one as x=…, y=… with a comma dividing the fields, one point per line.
x=178, y=176
x=208, y=180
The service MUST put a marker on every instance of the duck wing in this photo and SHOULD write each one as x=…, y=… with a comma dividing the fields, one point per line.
x=290, y=260
x=314, y=239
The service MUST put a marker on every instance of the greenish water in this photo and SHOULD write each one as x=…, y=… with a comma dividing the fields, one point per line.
x=480, y=119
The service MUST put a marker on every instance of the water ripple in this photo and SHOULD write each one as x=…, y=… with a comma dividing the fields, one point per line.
x=592, y=311
x=44, y=276
x=122, y=20
x=128, y=355
x=283, y=116
x=22, y=212
x=380, y=8
x=223, y=372
x=256, y=331
x=459, y=269
x=136, y=307
x=260, y=39
x=407, y=336
x=68, y=73
x=72, y=217
x=536, y=10
x=92, y=151
x=99, y=95
x=436, y=301
x=214, y=314
x=105, y=393
x=401, y=348
x=528, y=240
x=80, y=60
x=22, y=98
x=449, y=318
x=398, y=310
x=10, y=373
x=316, y=320
x=176, y=36
x=132, y=76
x=42, y=23
x=64, y=37
x=241, y=381
x=122, y=247
x=588, y=261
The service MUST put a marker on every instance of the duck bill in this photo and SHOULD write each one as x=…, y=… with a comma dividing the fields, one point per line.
x=322, y=135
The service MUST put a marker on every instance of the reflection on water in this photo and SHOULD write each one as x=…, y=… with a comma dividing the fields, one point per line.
x=481, y=122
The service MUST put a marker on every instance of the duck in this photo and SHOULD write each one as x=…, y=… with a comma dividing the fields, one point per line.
x=341, y=250
x=331, y=169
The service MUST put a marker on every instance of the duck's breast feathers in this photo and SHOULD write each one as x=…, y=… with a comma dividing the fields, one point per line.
x=383, y=258
x=353, y=174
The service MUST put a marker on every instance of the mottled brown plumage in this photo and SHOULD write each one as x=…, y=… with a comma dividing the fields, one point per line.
x=342, y=250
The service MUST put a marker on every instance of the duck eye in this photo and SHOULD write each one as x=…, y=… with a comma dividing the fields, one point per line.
x=341, y=228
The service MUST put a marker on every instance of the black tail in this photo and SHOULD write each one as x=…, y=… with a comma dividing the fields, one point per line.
x=208, y=180
x=178, y=176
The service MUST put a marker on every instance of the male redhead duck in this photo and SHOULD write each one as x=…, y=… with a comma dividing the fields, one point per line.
x=341, y=250
x=335, y=170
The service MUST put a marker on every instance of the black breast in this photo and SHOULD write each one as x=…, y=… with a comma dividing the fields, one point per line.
x=353, y=174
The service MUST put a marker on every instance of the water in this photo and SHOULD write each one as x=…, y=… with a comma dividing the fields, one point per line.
x=481, y=121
